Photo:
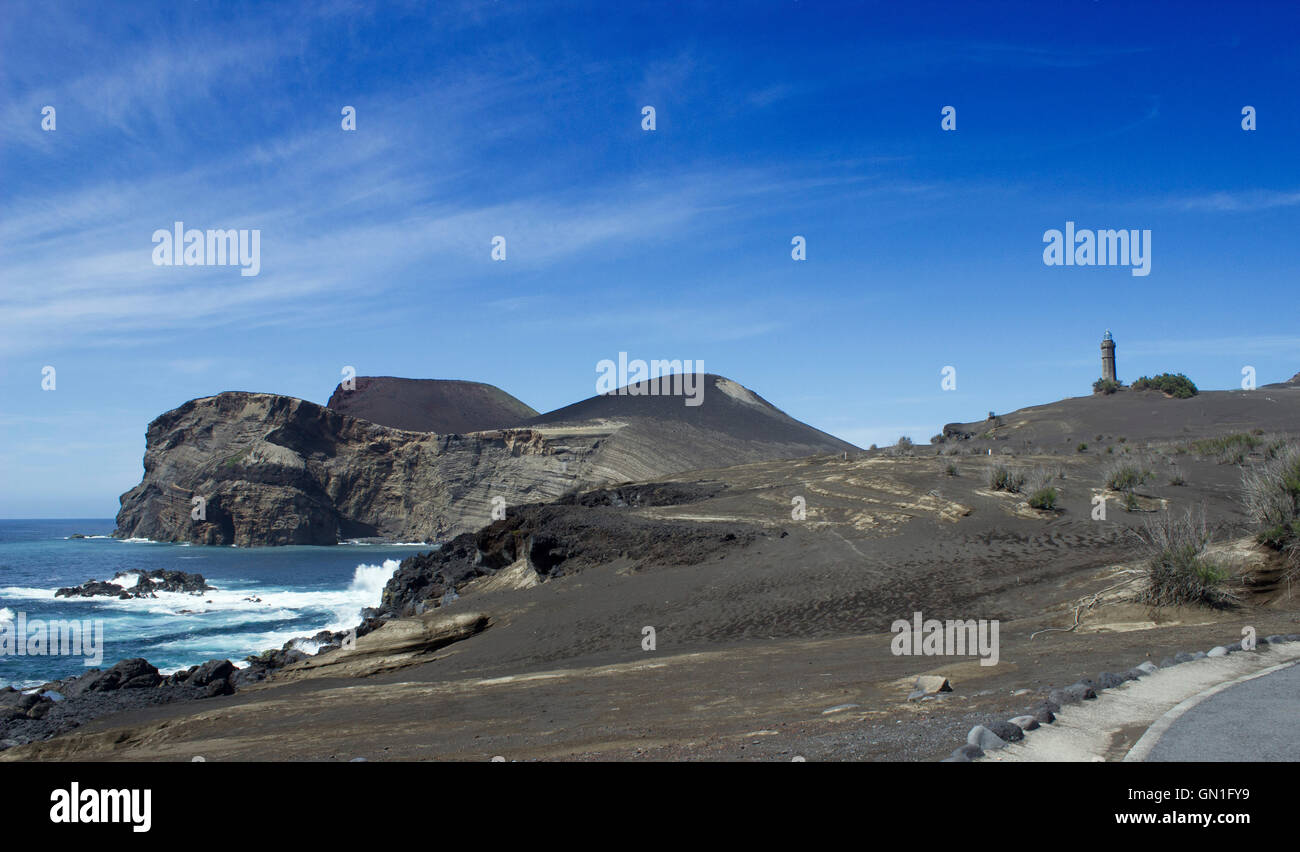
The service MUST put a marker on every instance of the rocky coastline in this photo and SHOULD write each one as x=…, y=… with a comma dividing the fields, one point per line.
x=543, y=540
x=28, y=715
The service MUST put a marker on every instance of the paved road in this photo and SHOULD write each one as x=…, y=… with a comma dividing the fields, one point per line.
x=1257, y=720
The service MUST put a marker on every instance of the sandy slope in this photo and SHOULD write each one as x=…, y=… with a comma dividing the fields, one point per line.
x=756, y=643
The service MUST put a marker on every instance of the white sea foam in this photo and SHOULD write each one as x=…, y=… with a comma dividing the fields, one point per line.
x=224, y=622
x=26, y=592
x=344, y=605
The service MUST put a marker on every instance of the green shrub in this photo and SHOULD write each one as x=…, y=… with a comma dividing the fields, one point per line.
x=1230, y=449
x=1178, y=570
x=951, y=469
x=1043, y=498
x=1081, y=448
x=1003, y=478
x=1272, y=498
x=1280, y=536
x=1175, y=384
x=1124, y=476
x=1105, y=386
x=1217, y=446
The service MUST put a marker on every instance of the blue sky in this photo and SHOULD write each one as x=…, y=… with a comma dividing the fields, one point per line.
x=774, y=119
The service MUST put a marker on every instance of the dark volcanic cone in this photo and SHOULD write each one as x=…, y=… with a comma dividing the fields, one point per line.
x=445, y=406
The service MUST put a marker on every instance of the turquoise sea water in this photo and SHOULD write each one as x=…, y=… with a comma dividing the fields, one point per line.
x=264, y=596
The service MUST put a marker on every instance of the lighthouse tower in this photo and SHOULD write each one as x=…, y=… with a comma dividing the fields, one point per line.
x=1108, y=357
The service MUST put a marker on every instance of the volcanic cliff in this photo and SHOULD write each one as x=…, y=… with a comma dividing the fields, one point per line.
x=260, y=469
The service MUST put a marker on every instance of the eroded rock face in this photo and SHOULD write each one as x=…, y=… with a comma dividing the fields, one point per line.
x=258, y=469
x=574, y=533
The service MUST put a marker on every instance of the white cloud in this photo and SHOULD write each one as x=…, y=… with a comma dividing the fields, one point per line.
x=1243, y=201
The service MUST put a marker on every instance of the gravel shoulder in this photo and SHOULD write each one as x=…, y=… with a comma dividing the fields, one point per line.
x=1108, y=728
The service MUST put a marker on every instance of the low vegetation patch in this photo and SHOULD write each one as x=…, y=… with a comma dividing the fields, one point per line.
x=1124, y=475
x=1038, y=485
x=1228, y=449
x=1179, y=570
x=1272, y=498
x=1043, y=498
x=1105, y=386
x=1175, y=384
x=1003, y=478
x=235, y=460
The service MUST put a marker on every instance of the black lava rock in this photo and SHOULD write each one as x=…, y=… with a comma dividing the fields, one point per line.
x=1081, y=691
x=1109, y=680
x=212, y=670
x=1007, y=731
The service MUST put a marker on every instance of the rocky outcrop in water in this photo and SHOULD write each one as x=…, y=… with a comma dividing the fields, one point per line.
x=148, y=586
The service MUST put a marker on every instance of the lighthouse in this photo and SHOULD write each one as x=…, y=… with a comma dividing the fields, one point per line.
x=1108, y=358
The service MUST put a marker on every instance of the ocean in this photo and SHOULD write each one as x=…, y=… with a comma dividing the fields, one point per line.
x=264, y=597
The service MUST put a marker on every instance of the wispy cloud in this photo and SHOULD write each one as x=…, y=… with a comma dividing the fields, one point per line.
x=1241, y=201
x=139, y=97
